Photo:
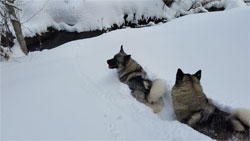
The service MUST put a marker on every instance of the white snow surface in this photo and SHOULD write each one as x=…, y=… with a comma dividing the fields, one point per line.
x=84, y=15
x=69, y=92
x=87, y=15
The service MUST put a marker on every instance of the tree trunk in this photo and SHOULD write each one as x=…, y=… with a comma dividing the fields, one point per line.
x=17, y=27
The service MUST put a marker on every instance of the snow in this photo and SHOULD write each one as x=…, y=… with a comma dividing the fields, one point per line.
x=69, y=92
x=228, y=4
x=87, y=15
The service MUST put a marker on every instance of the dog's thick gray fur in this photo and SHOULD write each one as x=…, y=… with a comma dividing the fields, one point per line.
x=192, y=107
x=142, y=88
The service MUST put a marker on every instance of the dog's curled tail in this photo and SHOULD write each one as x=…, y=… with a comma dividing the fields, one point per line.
x=157, y=91
x=241, y=116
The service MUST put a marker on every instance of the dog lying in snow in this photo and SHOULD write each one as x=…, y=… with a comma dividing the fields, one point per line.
x=143, y=89
x=192, y=107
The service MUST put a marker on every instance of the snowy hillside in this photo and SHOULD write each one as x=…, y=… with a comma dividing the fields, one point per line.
x=69, y=92
x=87, y=15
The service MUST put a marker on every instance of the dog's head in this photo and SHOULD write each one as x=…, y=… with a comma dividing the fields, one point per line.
x=119, y=61
x=188, y=81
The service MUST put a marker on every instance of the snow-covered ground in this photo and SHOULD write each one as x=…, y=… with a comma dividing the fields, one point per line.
x=87, y=15
x=69, y=92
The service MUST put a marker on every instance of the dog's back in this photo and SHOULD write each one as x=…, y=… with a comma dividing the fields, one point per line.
x=221, y=125
x=188, y=97
x=142, y=88
x=130, y=70
x=192, y=107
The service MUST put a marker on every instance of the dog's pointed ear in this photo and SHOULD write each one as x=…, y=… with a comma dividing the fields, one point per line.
x=179, y=74
x=121, y=50
x=198, y=74
x=127, y=57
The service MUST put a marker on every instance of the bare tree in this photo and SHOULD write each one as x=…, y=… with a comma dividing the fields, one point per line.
x=6, y=38
x=11, y=9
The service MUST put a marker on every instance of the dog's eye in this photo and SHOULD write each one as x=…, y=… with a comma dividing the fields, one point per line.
x=120, y=60
x=116, y=58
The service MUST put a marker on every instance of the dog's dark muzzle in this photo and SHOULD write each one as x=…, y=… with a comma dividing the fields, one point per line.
x=112, y=64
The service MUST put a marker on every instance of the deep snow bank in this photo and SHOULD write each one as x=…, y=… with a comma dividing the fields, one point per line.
x=46, y=24
x=87, y=15
x=69, y=92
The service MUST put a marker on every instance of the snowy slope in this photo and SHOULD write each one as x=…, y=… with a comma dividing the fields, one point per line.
x=69, y=92
x=86, y=15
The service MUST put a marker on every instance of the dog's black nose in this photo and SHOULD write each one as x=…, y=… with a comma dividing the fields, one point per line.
x=108, y=61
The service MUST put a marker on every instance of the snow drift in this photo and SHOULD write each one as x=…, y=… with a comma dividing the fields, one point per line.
x=88, y=15
x=69, y=92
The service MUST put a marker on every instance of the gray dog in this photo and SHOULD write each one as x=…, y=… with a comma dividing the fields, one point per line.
x=143, y=89
x=192, y=107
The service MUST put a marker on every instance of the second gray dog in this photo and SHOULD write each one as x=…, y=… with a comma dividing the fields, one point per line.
x=192, y=107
